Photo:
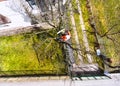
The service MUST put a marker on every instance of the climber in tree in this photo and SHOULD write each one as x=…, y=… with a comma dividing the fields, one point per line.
x=106, y=60
x=103, y=57
x=64, y=35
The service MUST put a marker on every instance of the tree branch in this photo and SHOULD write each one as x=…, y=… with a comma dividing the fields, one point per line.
x=109, y=30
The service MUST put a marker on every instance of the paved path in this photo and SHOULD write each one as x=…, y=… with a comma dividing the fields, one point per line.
x=115, y=81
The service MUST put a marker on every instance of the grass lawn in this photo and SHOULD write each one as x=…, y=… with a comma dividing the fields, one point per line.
x=107, y=14
x=85, y=16
x=31, y=52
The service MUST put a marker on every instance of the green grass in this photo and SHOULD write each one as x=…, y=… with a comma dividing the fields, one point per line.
x=107, y=14
x=91, y=38
x=85, y=15
x=31, y=52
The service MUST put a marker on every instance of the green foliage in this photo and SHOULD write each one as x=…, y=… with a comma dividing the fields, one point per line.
x=31, y=52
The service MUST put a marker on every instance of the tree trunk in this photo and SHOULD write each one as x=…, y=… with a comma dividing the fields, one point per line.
x=28, y=29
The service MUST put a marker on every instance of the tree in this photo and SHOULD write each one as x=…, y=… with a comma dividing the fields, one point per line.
x=104, y=20
x=51, y=12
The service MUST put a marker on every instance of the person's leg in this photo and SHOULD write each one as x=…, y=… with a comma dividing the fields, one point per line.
x=103, y=57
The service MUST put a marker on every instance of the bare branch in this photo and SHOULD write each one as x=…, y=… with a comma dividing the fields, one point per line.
x=109, y=30
x=112, y=39
x=114, y=33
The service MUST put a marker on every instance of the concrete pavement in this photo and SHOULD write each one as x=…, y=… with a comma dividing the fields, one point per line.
x=115, y=81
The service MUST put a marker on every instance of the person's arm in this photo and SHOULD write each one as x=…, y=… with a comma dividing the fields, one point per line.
x=61, y=31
